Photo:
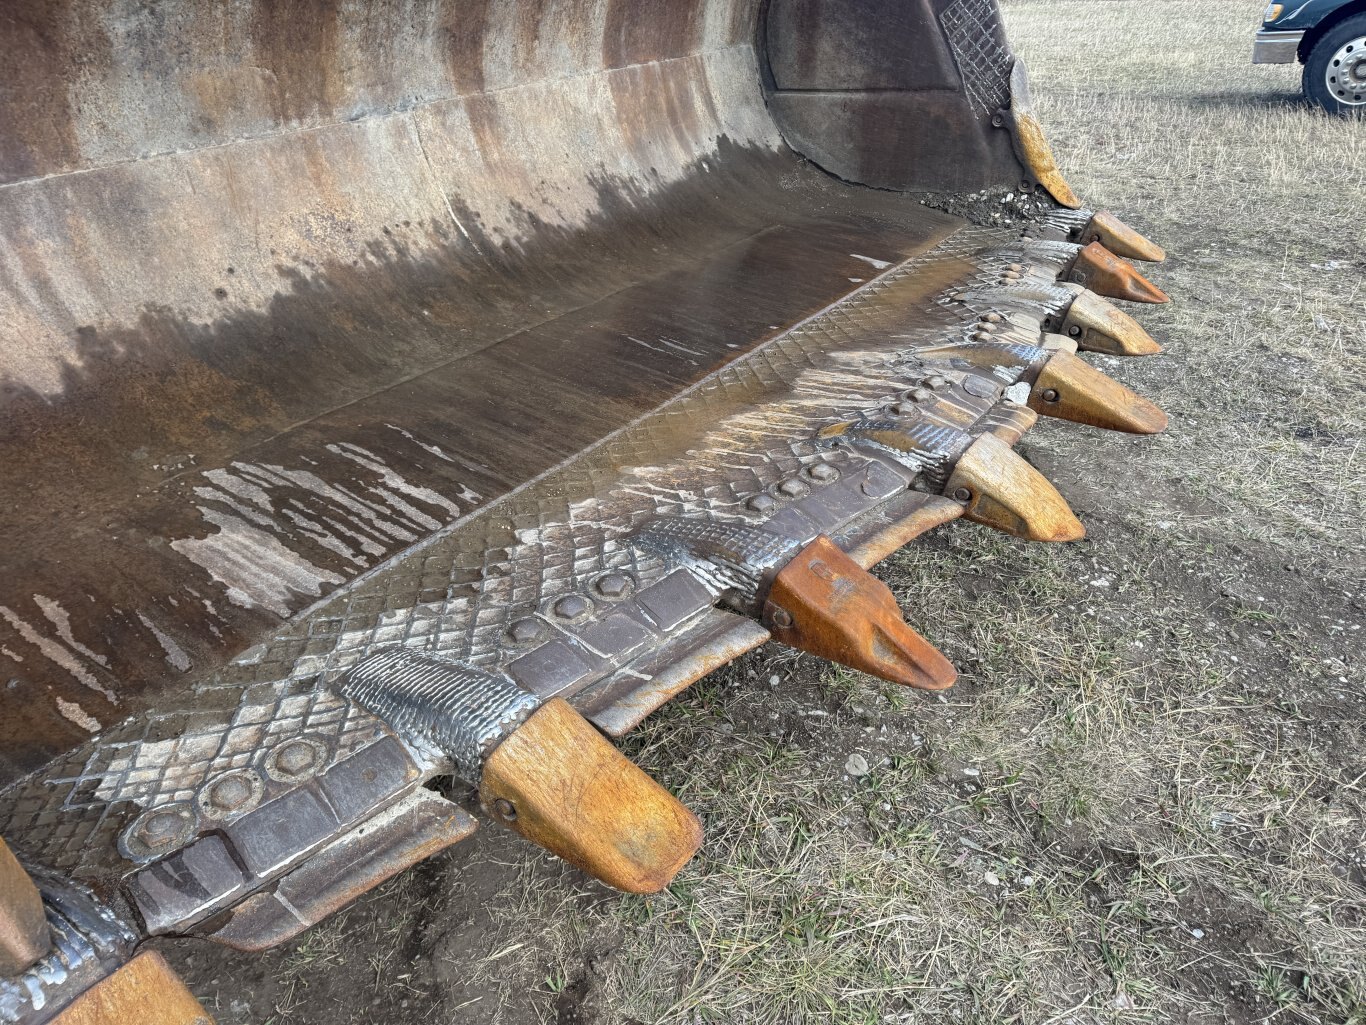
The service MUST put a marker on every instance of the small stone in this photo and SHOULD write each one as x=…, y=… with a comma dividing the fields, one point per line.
x=1199, y=934
x=991, y=879
x=1123, y=1002
x=856, y=765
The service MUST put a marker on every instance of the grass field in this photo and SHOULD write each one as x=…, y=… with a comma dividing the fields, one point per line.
x=1144, y=802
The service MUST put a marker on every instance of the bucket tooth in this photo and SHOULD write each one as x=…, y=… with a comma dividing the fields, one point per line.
x=1116, y=236
x=145, y=991
x=1069, y=388
x=1099, y=326
x=825, y=603
x=23, y=922
x=562, y=785
x=1001, y=490
x=1109, y=275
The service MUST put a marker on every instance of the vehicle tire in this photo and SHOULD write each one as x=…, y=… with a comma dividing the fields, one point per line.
x=1335, y=72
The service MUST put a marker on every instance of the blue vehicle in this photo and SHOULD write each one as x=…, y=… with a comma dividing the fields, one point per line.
x=1329, y=38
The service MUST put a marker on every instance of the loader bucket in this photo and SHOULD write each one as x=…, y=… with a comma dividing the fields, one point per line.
x=394, y=390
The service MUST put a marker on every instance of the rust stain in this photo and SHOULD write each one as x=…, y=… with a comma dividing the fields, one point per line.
x=651, y=30
x=42, y=42
x=297, y=42
x=463, y=34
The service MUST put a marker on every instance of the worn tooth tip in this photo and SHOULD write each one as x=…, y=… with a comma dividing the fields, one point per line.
x=1003, y=491
x=1069, y=388
x=907, y=658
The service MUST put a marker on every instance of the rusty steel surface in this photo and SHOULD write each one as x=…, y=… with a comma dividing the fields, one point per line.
x=535, y=338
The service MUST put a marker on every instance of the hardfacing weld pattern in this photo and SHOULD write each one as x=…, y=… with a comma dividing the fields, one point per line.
x=457, y=709
x=969, y=26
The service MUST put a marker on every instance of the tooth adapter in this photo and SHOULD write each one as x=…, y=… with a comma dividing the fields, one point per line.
x=998, y=487
x=542, y=769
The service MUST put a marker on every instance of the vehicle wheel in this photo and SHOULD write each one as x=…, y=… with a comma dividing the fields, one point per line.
x=1335, y=73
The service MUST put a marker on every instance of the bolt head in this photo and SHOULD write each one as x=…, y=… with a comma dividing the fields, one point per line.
x=963, y=494
x=937, y=382
x=921, y=394
x=229, y=793
x=993, y=318
x=572, y=606
x=527, y=630
x=792, y=488
x=1074, y=331
x=1016, y=267
x=505, y=809
x=981, y=336
x=822, y=472
x=296, y=758
x=985, y=325
x=904, y=408
x=762, y=503
x=161, y=828
x=782, y=619
x=614, y=586
x=1050, y=395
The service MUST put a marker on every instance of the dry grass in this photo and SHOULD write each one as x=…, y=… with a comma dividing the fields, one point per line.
x=1145, y=801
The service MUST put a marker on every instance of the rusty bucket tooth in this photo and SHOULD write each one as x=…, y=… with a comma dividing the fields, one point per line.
x=1001, y=490
x=1107, y=274
x=1116, y=236
x=1099, y=326
x=562, y=785
x=826, y=604
x=1069, y=388
x=145, y=991
x=23, y=922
